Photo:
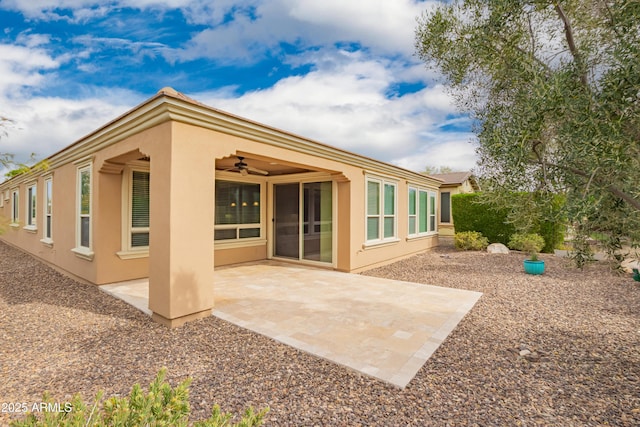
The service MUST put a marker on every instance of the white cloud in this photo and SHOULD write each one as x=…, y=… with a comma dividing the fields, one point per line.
x=383, y=26
x=343, y=103
x=454, y=150
x=21, y=66
x=349, y=98
x=45, y=125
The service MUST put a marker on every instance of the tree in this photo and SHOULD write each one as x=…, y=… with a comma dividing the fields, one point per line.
x=554, y=91
x=5, y=159
x=431, y=170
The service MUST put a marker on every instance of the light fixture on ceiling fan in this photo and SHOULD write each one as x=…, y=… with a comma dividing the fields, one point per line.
x=245, y=169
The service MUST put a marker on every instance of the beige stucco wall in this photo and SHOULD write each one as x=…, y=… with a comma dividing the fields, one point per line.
x=107, y=267
x=182, y=253
x=63, y=221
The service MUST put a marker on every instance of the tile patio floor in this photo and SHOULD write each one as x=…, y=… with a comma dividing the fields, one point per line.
x=383, y=328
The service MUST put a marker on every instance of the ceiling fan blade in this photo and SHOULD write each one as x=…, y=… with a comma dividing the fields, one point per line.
x=257, y=171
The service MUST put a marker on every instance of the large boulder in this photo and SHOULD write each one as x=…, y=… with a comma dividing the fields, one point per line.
x=497, y=248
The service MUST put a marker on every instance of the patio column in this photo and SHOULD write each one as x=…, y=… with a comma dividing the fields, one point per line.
x=181, y=231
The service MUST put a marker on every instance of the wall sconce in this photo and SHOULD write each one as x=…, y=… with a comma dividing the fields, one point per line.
x=256, y=204
x=233, y=204
x=244, y=204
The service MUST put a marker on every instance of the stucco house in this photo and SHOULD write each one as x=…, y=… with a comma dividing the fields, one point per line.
x=173, y=188
x=452, y=183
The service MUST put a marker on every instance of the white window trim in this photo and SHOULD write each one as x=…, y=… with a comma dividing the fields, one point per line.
x=83, y=252
x=31, y=220
x=415, y=234
x=127, y=251
x=248, y=241
x=15, y=208
x=48, y=241
x=433, y=214
x=381, y=240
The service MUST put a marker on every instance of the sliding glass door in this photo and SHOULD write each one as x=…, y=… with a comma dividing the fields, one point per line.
x=287, y=220
x=303, y=217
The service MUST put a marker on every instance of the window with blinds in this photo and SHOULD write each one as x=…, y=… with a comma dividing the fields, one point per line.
x=31, y=206
x=422, y=211
x=48, y=208
x=139, y=226
x=84, y=207
x=381, y=210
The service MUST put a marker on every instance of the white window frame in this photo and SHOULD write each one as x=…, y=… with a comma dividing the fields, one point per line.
x=381, y=216
x=15, y=207
x=127, y=250
x=421, y=210
x=47, y=212
x=245, y=241
x=84, y=252
x=31, y=206
x=433, y=213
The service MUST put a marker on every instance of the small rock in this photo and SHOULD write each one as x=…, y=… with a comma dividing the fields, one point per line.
x=533, y=357
x=525, y=352
x=497, y=248
x=629, y=264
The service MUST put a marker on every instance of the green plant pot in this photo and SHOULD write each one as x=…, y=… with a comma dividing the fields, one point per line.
x=636, y=275
x=533, y=267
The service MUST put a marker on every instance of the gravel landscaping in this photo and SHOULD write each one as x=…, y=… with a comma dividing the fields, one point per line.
x=558, y=349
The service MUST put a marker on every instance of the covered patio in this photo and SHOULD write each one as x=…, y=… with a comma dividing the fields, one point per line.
x=383, y=328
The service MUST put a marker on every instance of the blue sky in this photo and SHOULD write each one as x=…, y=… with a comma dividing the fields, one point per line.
x=343, y=72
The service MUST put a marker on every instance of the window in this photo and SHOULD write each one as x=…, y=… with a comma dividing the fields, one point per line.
x=421, y=211
x=31, y=207
x=84, y=208
x=238, y=210
x=445, y=207
x=139, y=223
x=381, y=210
x=15, y=209
x=48, y=209
x=136, y=191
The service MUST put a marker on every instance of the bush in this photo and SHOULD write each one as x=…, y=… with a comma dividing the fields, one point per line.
x=161, y=406
x=470, y=241
x=475, y=212
x=530, y=243
x=470, y=215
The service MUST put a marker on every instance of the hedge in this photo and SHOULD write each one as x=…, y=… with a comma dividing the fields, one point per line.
x=471, y=215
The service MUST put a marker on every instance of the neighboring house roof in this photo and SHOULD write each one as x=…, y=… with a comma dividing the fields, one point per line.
x=457, y=178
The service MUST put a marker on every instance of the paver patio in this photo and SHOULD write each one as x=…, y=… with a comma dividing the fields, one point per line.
x=383, y=328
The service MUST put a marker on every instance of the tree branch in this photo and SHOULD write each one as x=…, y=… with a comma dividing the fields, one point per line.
x=634, y=203
x=568, y=32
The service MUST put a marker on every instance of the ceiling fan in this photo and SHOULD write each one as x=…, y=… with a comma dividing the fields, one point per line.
x=245, y=169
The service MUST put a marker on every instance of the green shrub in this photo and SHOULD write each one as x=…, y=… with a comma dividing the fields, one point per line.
x=530, y=243
x=161, y=406
x=479, y=212
x=470, y=215
x=470, y=241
